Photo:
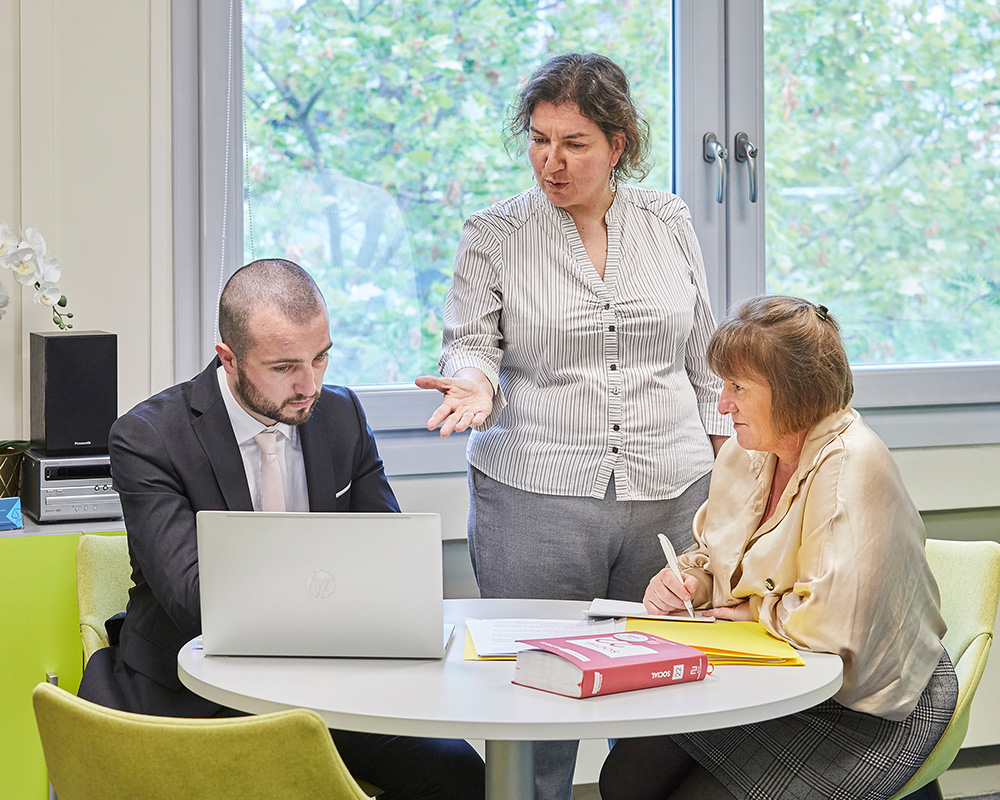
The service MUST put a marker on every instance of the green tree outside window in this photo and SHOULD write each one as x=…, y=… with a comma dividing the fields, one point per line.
x=375, y=129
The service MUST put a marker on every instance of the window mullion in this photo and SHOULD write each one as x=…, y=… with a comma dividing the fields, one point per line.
x=744, y=63
x=699, y=108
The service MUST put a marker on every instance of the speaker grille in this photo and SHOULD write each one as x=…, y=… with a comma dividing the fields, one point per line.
x=74, y=391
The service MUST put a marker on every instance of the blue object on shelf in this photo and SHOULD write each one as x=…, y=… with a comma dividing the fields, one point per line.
x=10, y=514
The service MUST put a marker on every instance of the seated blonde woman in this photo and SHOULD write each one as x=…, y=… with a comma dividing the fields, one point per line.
x=808, y=530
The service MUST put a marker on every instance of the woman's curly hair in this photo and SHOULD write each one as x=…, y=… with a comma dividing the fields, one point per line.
x=600, y=89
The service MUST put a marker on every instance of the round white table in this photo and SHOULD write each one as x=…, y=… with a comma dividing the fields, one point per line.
x=458, y=699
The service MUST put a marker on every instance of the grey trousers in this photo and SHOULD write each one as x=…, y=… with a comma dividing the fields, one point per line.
x=528, y=545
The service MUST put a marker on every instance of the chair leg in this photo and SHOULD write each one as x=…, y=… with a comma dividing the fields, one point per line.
x=930, y=791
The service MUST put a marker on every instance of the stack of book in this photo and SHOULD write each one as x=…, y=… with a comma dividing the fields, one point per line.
x=585, y=666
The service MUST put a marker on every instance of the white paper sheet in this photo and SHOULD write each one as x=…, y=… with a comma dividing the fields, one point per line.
x=498, y=637
x=623, y=608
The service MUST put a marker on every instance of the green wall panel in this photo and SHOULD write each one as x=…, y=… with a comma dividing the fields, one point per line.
x=41, y=628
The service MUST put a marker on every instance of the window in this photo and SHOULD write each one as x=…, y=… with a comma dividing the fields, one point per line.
x=882, y=128
x=878, y=132
x=374, y=130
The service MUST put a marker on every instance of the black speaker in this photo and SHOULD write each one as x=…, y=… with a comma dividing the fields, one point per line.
x=74, y=392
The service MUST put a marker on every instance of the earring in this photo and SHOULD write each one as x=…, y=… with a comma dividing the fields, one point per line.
x=613, y=182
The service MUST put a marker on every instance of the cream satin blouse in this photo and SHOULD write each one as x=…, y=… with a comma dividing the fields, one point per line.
x=839, y=567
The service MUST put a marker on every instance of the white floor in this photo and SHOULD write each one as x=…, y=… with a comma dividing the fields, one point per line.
x=976, y=771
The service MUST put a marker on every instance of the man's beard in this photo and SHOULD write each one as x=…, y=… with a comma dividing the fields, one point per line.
x=251, y=397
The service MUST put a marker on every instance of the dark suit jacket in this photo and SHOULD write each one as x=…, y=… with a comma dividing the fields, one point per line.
x=172, y=456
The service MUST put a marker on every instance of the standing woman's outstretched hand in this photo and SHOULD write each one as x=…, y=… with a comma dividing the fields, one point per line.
x=468, y=400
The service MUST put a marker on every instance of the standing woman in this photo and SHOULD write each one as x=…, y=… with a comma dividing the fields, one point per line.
x=574, y=344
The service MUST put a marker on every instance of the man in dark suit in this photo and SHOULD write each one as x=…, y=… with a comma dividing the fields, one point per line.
x=194, y=447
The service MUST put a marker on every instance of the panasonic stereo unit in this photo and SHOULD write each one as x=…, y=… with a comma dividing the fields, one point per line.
x=68, y=489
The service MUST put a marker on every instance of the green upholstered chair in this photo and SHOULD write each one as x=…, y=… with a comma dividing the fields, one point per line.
x=103, y=578
x=968, y=575
x=97, y=753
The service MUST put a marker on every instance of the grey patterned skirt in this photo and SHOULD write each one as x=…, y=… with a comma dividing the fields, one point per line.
x=827, y=752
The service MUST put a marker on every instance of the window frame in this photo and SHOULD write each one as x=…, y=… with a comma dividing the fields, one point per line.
x=719, y=44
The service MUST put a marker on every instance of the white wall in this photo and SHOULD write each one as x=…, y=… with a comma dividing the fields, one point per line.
x=85, y=158
x=10, y=210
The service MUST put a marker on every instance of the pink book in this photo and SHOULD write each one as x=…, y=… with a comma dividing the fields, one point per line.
x=584, y=666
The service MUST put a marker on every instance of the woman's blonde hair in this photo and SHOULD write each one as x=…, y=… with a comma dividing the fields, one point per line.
x=792, y=345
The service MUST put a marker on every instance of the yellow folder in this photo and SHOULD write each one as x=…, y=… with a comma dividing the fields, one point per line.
x=469, y=652
x=727, y=642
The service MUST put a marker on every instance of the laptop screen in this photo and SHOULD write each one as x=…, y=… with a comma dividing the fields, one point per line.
x=321, y=584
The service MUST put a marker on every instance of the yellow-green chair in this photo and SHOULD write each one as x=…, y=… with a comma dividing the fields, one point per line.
x=97, y=753
x=968, y=575
x=103, y=578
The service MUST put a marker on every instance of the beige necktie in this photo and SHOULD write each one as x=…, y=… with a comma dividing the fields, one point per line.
x=272, y=492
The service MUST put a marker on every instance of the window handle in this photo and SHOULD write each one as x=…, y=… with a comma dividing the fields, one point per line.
x=745, y=151
x=714, y=151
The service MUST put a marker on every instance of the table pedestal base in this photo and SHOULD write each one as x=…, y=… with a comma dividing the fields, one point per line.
x=510, y=770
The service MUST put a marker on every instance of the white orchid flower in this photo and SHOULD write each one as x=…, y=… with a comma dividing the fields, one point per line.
x=32, y=257
x=34, y=240
x=48, y=294
x=25, y=264
x=27, y=258
x=49, y=269
x=8, y=241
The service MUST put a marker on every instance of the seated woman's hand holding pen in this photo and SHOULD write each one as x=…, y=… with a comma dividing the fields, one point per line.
x=666, y=593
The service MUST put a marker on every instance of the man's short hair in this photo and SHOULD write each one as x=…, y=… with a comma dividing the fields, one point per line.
x=792, y=345
x=271, y=282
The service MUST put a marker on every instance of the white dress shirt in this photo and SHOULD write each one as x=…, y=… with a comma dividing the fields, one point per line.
x=593, y=377
x=293, y=465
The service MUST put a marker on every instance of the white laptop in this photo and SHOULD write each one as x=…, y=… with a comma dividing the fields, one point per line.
x=321, y=584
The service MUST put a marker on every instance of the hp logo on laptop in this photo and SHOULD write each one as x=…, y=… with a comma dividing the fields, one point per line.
x=320, y=583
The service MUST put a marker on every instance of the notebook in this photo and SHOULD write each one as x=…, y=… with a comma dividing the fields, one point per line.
x=321, y=584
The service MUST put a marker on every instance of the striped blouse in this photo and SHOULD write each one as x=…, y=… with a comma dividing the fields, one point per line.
x=593, y=378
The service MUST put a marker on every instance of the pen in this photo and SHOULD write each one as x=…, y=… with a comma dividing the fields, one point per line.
x=668, y=551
